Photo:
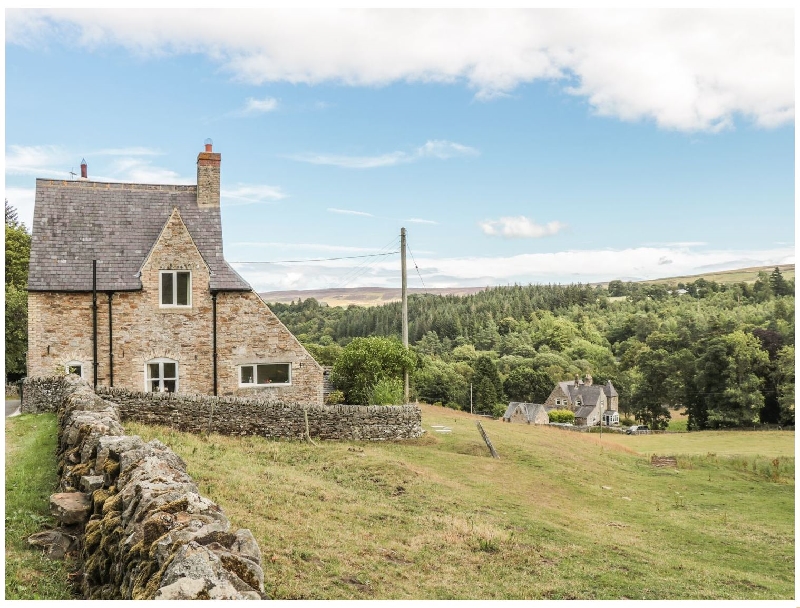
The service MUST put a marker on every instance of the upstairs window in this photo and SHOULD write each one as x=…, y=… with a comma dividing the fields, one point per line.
x=162, y=376
x=74, y=367
x=265, y=374
x=175, y=288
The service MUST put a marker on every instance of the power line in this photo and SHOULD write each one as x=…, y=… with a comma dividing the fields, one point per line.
x=415, y=262
x=362, y=268
x=346, y=257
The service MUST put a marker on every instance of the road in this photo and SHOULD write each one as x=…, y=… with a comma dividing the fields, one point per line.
x=12, y=407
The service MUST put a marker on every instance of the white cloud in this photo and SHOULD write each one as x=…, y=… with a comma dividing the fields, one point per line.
x=586, y=266
x=417, y=220
x=440, y=149
x=350, y=212
x=121, y=164
x=258, y=106
x=690, y=70
x=305, y=247
x=244, y=194
x=22, y=199
x=352, y=162
x=519, y=227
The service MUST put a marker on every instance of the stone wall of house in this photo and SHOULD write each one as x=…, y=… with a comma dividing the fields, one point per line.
x=60, y=331
x=146, y=531
x=252, y=416
x=255, y=335
x=559, y=394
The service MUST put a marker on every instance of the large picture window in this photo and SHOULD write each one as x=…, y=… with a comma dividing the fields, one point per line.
x=162, y=376
x=176, y=288
x=265, y=374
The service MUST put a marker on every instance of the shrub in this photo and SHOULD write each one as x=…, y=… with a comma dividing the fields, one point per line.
x=452, y=405
x=499, y=409
x=388, y=391
x=334, y=397
x=561, y=416
x=627, y=421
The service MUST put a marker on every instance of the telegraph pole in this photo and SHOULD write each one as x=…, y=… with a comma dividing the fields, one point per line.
x=404, y=295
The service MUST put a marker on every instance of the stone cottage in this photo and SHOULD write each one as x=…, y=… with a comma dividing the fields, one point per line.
x=587, y=400
x=526, y=413
x=128, y=287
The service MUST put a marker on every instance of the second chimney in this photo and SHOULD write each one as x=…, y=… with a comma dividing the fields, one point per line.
x=84, y=169
x=208, y=164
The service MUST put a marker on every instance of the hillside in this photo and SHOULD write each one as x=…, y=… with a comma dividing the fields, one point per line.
x=360, y=296
x=375, y=296
x=560, y=515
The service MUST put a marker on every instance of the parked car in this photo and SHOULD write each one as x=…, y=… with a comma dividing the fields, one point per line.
x=638, y=429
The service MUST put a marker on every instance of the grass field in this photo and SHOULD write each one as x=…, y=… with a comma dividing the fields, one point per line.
x=30, y=479
x=561, y=514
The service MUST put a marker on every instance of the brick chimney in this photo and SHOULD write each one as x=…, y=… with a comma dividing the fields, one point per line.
x=208, y=163
x=84, y=169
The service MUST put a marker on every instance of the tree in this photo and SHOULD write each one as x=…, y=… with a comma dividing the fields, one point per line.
x=18, y=253
x=528, y=385
x=488, y=387
x=778, y=284
x=365, y=362
x=729, y=381
x=785, y=383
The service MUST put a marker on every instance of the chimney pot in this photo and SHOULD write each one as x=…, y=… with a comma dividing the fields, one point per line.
x=84, y=169
x=209, y=144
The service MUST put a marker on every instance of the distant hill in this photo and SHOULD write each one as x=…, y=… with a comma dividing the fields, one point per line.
x=360, y=296
x=375, y=296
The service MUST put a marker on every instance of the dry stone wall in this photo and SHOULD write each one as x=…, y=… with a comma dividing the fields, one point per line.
x=252, y=416
x=147, y=533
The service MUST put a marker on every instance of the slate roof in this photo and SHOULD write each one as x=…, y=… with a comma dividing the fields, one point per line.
x=584, y=411
x=117, y=224
x=529, y=409
x=589, y=395
x=610, y=390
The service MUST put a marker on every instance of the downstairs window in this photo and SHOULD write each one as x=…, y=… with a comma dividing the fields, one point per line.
x=265, y=374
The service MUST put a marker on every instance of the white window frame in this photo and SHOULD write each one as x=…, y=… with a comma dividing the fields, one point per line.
x=174, y=274
x=160, y=361
x=69, y=364
x=255, y=384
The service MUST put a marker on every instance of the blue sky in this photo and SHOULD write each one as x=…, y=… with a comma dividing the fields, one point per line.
x=541, y=146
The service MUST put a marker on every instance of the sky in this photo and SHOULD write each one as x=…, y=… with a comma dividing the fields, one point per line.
x=535, y=146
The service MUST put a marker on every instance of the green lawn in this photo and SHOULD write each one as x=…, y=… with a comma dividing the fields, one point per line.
x=30, y=479
x=560, y=515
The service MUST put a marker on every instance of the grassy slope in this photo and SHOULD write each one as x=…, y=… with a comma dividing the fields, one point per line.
x=438, y=518
x=30, y=479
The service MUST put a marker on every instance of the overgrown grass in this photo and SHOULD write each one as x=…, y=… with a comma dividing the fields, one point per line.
x=30, y=479
x=560, y=515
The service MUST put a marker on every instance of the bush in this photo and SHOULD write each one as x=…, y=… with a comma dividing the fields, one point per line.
x=334, y=398
x=388, y=391
x=565, y=416
x=452, y=405
x=499, y=409
x=627, y=421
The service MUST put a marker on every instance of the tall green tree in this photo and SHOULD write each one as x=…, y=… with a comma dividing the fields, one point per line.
x=488, y=388
x=365, y=362
x=778, y=284
x=528, y=385
x=729, y=380
x=18, y=253
x=785, y=384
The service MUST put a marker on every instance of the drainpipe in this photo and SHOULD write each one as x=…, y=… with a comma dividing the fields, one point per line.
x=214, y=336
x=110, y=343
x=94, y=321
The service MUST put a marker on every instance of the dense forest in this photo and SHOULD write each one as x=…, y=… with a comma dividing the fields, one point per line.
x=724, y=353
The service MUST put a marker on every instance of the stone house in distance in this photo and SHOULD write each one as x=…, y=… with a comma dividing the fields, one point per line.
x=587, y=400
x=170, y=315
